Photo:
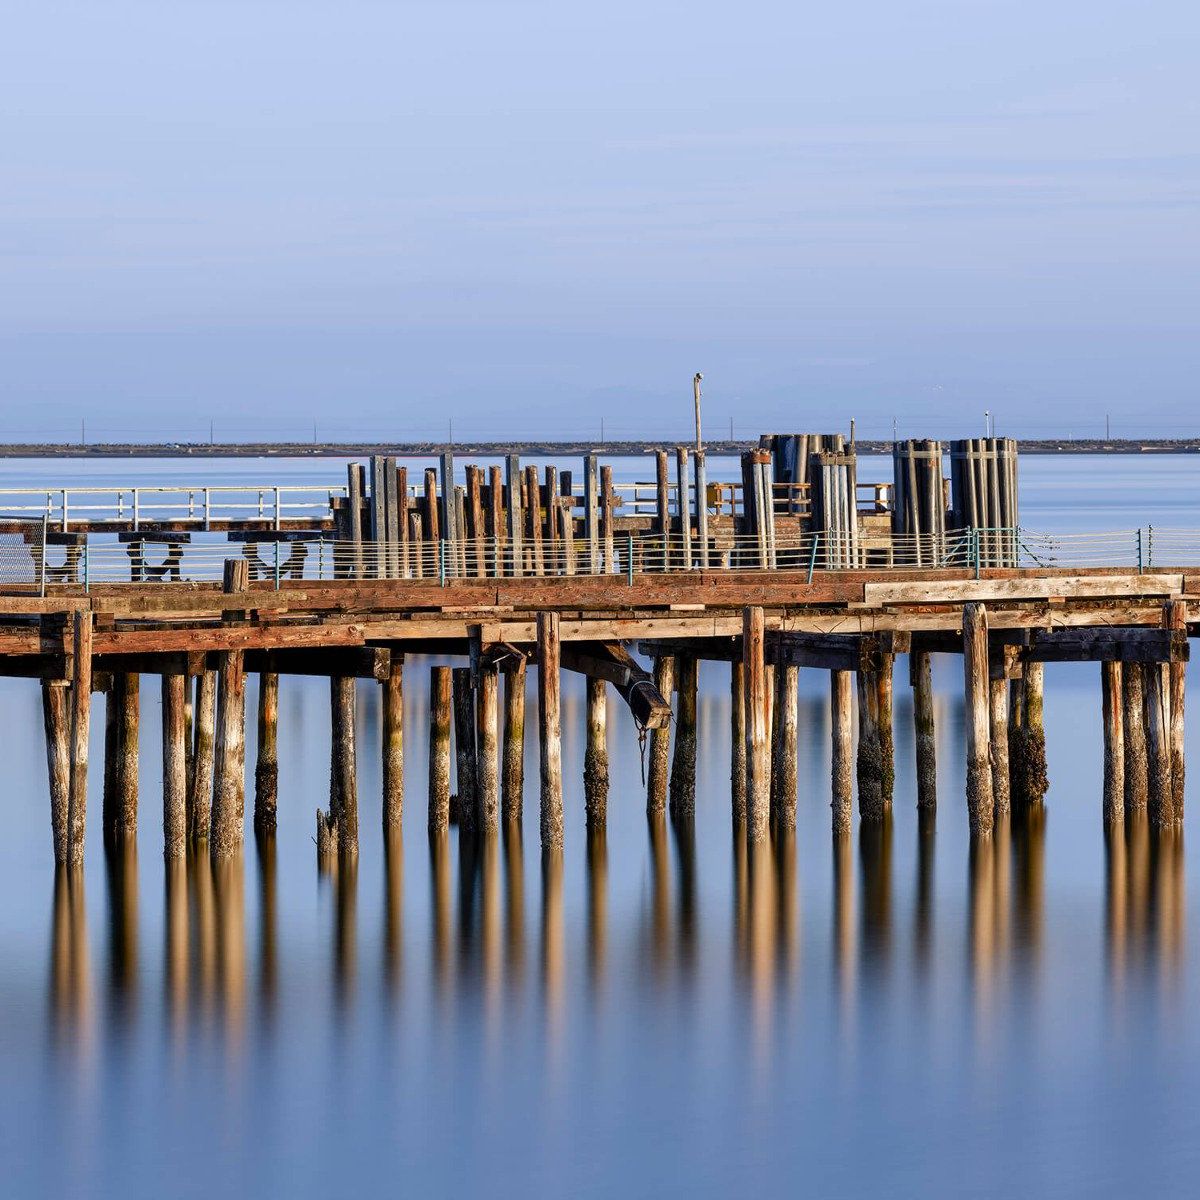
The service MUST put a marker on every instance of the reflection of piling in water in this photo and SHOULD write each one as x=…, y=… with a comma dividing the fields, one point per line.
x=875, y=862
x=175, y=929
x=514, y=900
x=787, y=895
x=121, y=869
x=1145, y=897
x=1029, y=861
x=660, y=888
x=982, y=912
x=229, y=896
x=683, y=827
x=552, y=928
x=844, y=944
x=346, y=936
x=597, y=881
x=923, y=915
x=489, y=893
x=439, y=880
x=267, y=920
x=70, y=981
x=393, y=906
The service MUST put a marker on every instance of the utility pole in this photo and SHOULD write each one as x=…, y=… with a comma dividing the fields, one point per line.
x=83, y=431
x=696, y=393
x=987, y=423
x=1107, y=429
x=210, y=431
x=601, y=433
x=893, y=429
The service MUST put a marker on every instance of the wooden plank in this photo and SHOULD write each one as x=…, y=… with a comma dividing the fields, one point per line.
x=1021, y=588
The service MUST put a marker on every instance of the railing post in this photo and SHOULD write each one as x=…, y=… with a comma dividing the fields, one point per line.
x=137, y=508
x=87, y=569
x=442, y=561
x=277, y=514
x=207, y=511
x=812, y=558
x=64, y=508
x=1150, y=546
x=321, y=558
x=1139, y=549
x=45, y=537
x=975, y=550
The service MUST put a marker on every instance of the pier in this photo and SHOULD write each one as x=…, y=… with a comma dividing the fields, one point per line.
x=788, y=564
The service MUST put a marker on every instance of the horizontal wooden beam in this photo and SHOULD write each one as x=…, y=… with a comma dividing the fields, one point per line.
x=614, y=664
x=358, y=662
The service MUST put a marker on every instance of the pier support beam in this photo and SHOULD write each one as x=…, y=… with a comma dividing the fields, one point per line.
x=266, y=767
x=758, y=720
x=229, y=774
x=56, y=721
x=174, y=739
x=683, y=764
x=513, y=785
x=121, y=761
x=200, y=787
x=488, y=721
x=1027, y=742
x=924, y=729
x=980, y=806
x=1137, y=779
x=439, y=749
x=884, y=686
x=337, y=830
x=81, y=706
x=550, y=729
x=660, y=739
x=870, y=756
x=1156, y=692
x=1001, y=796
x=1114, y=742
x=393, y=746
x=1175, y=618
x=841, y=707
x=595, y=760
x=784, y=745
x=464, y=748
x=737, y=742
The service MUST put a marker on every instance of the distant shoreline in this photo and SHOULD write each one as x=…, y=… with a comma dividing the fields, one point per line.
x=524, y=448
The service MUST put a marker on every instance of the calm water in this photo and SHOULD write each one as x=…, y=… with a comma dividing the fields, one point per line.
x=653, y=1014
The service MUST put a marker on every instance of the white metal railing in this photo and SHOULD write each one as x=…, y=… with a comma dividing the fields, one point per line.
x=195, y=507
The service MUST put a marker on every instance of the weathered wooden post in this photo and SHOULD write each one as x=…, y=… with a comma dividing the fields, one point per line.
x=980, y=806
x=488, y=782
x=266, y=768
x=550, y=729
x=683, y=486
x=884, y=677
x=924, y=728
x=663, y=492
x=783, y=767
x=660, y=740
x=1114, y=742
x=393, y=745
x=200, y=787
x=343, y=808
x=439, y=749
x=513, y=783
x=1156, y=692
x=464, y=747
x=737, y=740
x=58, y=763
x=595, y=760
x=758, y=717
x=1001, y=798
x=174, y=739
x=121, y=759
x=1027, y=740
x=81, y=705
x=841, y=720
x=683, y=764
x=1137, y=777
x=1175, y=618
x=229, y=776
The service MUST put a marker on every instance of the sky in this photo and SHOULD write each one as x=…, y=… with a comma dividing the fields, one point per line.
x=522, y=218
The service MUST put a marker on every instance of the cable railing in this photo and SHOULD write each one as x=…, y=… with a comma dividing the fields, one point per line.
x=623, y=556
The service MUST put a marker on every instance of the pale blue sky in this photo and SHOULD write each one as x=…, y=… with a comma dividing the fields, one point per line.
x=522, y=216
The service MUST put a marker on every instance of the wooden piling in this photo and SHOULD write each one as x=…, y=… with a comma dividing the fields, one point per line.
x=869, y=759
x=56, y=722
x=128, y=758
x=200, y=787
x=354, y=490
x=174, y=740
x=683, y=486
x=595, y=761
x=488, y=721
x=663, y=494
x=924, y=728
x=81, y=705
x=342, y=818
x=550, y=729
x=884, y=686
x=683, y=764
x=980, y=805
x=784, y=764
x=1137, y=781
x=701, y=510
x=393, y=745
x=439, y=749
x=1156, y=692
x=758, y=742
x=737, y=740
x=1001, y=795
x=1114, y=742
x=1027, y=744
x=660, y=740
x=513, y=783
x=464, y=747
x=229, y=774
x=266, y=767
x=841, y=721
x=1175, y=618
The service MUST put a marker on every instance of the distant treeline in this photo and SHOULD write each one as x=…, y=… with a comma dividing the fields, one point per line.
x=525, y=449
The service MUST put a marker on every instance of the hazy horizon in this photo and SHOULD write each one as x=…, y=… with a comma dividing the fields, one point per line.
x=524, y=217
